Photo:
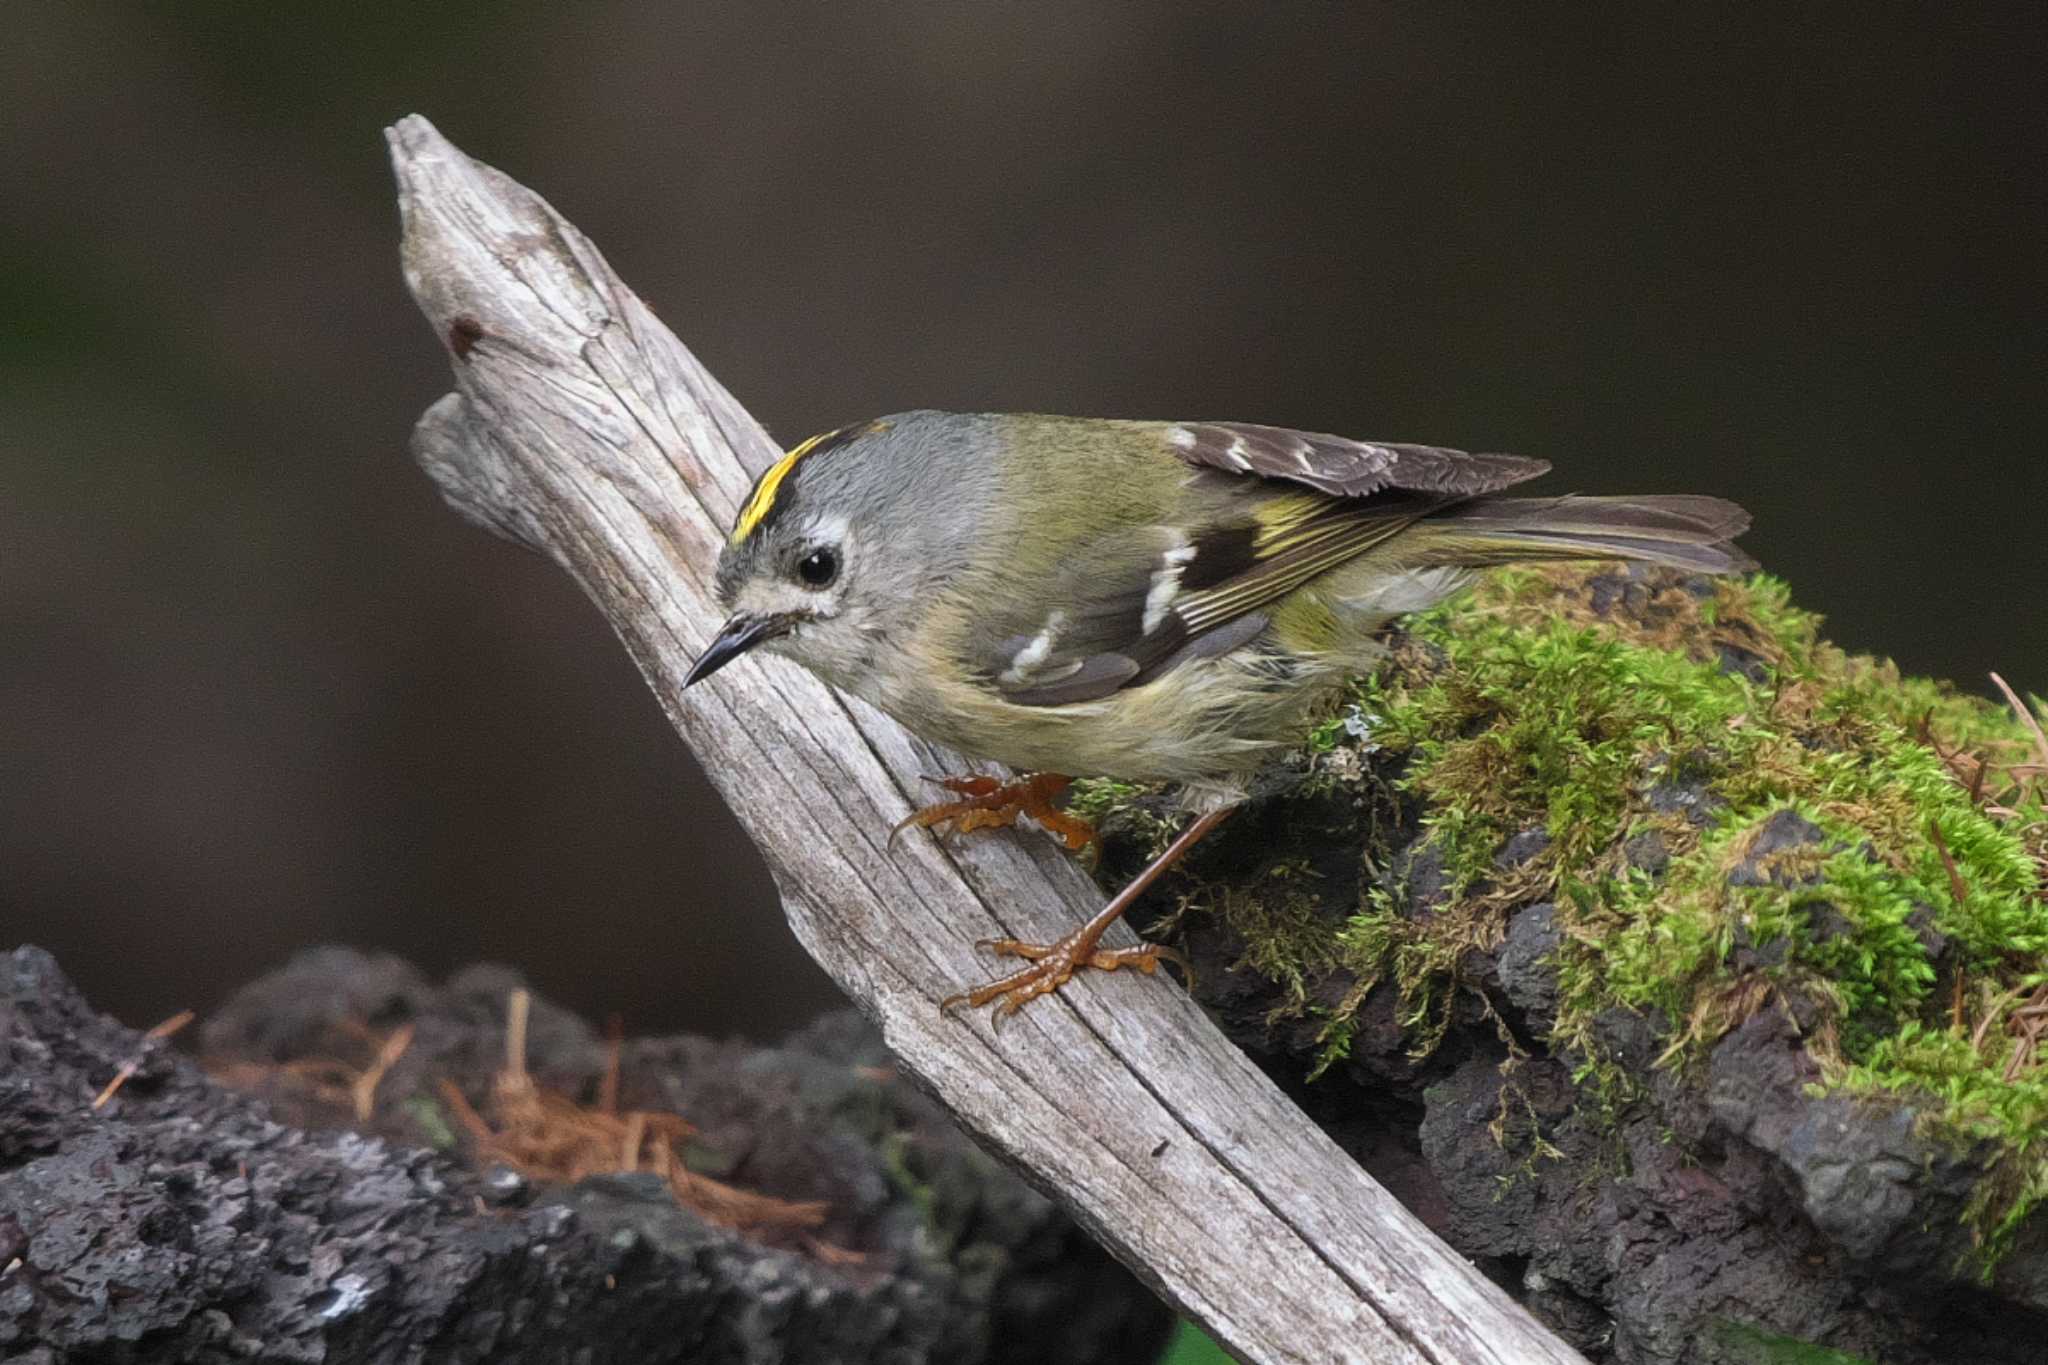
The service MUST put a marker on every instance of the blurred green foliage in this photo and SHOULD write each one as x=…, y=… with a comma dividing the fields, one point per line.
x=1192, y=1346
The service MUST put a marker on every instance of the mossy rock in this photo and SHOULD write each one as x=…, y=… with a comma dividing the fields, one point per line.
x=1664, y=955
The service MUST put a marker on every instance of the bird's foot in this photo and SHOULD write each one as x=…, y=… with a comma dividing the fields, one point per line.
x=1052, y=965
x=988, y=803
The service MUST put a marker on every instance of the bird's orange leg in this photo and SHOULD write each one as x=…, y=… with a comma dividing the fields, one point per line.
x=1053, y=964
x=987, y=803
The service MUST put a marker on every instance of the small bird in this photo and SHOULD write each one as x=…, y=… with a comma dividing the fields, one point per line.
x=1150, y=601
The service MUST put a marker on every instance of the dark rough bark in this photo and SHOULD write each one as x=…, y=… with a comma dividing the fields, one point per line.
x=183, y=1222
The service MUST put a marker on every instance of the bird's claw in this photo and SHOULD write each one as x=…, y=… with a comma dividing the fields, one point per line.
x=990, y=803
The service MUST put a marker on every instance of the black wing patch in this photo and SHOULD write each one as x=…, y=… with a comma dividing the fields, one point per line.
x=1181, y=600
x=1291, y=552
x=1344, y=468
x=1107, y=620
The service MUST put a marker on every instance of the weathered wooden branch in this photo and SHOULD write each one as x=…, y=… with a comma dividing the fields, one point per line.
x=581, y=427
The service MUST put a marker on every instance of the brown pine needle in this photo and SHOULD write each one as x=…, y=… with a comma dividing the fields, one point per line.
x=614, y=1041
x=516, y=1008
x=134, y=1064
x=2028, y=1023
x=171, y=1025
x=329, y=1081
x=363, y=1091
x=465, y=1112
x=1991, y=1014
x=1971, y=769
x=630, y=1141
x=1957, y=887
x=551, y=1137
x=834, y=1255
x=2026, y=715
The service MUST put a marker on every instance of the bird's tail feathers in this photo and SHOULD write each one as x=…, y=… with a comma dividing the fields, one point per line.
x=1685, y=531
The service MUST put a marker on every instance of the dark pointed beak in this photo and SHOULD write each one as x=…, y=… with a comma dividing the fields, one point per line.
x=739, y=634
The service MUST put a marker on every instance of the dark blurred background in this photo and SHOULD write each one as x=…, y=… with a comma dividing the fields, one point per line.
x=259, y=689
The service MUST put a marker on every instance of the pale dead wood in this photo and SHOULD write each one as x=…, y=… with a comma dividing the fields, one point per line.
x=581, y=427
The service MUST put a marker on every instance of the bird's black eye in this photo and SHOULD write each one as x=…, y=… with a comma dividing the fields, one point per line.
x=818, y=568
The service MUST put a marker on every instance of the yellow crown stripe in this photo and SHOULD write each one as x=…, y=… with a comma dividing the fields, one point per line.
x=764, y=492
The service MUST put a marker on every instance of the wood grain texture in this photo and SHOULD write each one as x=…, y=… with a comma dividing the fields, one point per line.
x=580, y=426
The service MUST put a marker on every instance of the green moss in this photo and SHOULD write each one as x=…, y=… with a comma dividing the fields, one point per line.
x=432, y=1124
x=1287, y=940
x=1190, y=1346
x=1136, y=812
x=1522, y=706
x=1768, y=1348
x=1093, y=798
x=1914, y=921
x=895, y=1151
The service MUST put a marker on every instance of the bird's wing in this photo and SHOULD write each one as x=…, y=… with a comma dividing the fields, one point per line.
x=1136, y=603
x=1344, y=468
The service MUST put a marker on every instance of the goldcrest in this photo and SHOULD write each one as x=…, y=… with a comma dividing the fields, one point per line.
x=1151, y=601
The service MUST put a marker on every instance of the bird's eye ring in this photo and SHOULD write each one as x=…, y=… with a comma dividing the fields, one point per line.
x=818, y=568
